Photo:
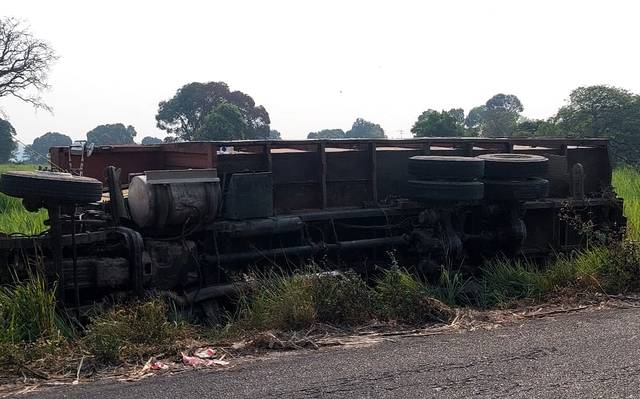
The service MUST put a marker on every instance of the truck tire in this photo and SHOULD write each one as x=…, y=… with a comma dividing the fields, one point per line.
x=425, y=190
x=514, y=166
x=442, y=167
x=51, y=187
x=516, y=190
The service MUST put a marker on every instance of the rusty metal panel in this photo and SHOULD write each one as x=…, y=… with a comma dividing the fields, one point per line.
x=296, y=167
x=249, y=195
x=392, y=172
x=347, y=165
x=349, y=193
x=295, y=197
x=234, y=163
x=596, y=165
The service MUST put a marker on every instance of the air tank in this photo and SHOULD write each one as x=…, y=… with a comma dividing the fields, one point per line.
x=174, y=197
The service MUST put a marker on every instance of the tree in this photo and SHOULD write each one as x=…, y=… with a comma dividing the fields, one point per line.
x=526, y=127
x=151, y=140
x=326, y=134
x=38, y=151
x=185, y=114
x=475, y=118
x=112, y=134
x=274, y=135
x=604, y=111
x=598, y=111
x=7, y=143
x=365, y=129
x=501, y=115
x=432, y=123
x=24, y=63
x=225, y=122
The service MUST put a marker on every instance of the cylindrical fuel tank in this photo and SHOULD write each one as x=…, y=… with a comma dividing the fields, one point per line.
x=174, y=198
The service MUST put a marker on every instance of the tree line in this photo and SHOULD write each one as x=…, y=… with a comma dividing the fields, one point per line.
x=591, y=111
x=212, y=111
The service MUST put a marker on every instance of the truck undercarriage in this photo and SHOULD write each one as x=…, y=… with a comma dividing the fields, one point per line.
x=184, y=219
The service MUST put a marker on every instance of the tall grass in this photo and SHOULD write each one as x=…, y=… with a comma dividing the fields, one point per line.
x=13, y=217
x=626, y=181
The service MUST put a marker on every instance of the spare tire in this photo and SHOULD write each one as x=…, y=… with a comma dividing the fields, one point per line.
x=432, y=167
x=516, y=190
x=51, y=187
x=424, y=190
x=514, y=166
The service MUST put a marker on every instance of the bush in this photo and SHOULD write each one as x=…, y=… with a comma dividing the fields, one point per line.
x=401, y=297
x=278, y=301
x=341, y=298
x=507, y=281
x=139, y=330
x=30, y=325
x=27, y=312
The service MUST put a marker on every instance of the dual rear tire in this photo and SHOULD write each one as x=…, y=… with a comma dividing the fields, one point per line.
x=497, y=177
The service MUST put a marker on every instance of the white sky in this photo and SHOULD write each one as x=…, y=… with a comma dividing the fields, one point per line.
x=321, y=64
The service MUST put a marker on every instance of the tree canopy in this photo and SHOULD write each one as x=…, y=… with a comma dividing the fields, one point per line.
x=501, y=114
x=432, y=123
x=187, y=112
x=326, y=134
x=7, y=143
x=148, y=140
x=274, y=135
x=24, y=63
x=604, y=111
x=224, y=122
x=364, y=129
x=112, y=134
x=474, y=119
x=38, y=151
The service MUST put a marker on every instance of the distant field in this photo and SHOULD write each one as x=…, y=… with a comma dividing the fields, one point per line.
x=13, y=217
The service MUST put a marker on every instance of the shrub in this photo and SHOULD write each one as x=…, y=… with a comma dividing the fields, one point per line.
x=278, y=301
x=403, y=298
x=30, y=326
x=507, y=281
x=139, y=329
x=28, y=312
x=341, y=298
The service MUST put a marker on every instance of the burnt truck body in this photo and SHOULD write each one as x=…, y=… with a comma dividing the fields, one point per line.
x=183, y=218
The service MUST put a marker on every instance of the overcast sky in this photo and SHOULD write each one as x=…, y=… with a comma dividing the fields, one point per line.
x=321, y=64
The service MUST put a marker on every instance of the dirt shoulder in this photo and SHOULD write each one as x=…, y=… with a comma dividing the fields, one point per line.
x=362, y=352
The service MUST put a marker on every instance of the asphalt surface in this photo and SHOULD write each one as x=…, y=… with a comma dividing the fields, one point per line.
x=592, y=354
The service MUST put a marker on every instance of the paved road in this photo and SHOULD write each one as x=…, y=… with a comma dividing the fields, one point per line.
x=582, y=355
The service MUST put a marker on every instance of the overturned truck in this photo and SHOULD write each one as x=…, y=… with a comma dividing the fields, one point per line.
x=186, y=218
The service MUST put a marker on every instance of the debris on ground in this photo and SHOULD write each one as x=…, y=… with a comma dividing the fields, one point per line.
x=195, y=361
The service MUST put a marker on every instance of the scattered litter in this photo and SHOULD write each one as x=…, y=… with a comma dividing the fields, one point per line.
x=194, y=361
x=158, y=366
x=77, y=380
x=205, y=353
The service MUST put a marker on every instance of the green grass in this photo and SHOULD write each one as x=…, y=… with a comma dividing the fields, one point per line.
x=278, y=301
x=132, y=331
x=626, y=181
x=14, y=219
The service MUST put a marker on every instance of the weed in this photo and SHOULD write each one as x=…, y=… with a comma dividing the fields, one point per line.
x=452, y=287
x=30, y=326
x=277, y=301
x=135, y=330
x=13, y=217
x=341, y=298
x=626, y=181
x=402, y=297
x=507, y=281
x=28, y=312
